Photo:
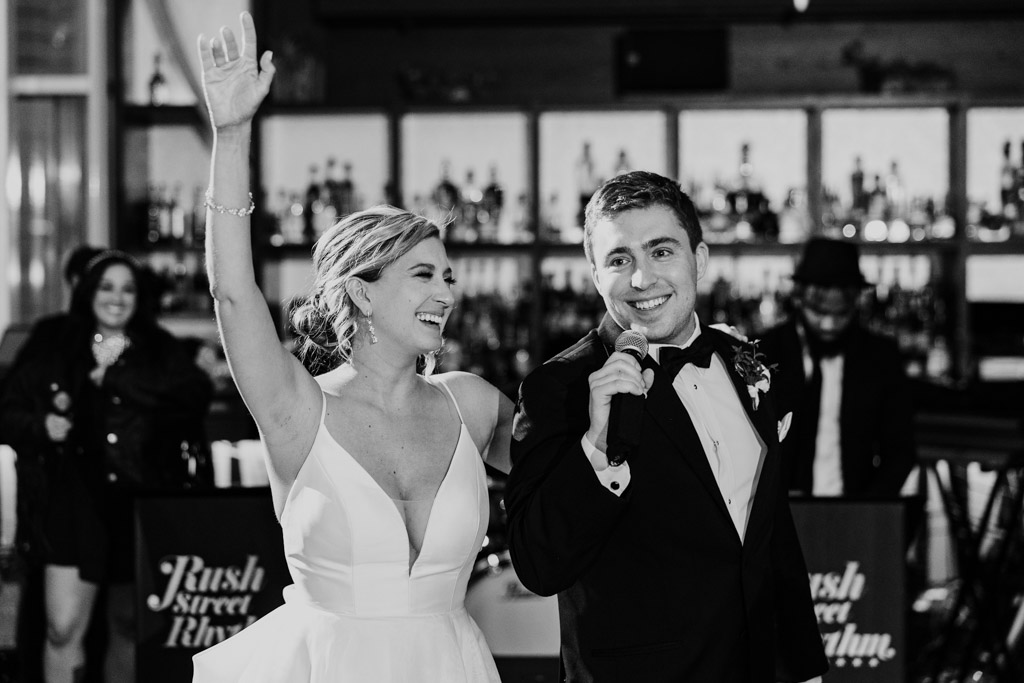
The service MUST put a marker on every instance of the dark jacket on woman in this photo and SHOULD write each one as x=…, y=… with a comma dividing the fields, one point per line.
x=127, y=432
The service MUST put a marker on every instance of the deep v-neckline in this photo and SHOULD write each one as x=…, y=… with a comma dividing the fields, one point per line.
x=393, y=502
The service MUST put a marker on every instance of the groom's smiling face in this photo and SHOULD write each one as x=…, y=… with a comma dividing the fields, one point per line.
x=647, y=272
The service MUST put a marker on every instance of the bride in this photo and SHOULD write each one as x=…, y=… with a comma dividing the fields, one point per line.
x=376, y=465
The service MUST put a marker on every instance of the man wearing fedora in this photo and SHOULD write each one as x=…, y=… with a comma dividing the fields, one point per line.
x=851, y=432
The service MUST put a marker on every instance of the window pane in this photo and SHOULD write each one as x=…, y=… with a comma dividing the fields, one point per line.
x=300, y=151
x=449, y=163
x=48, y=147
x=51, y=37
x=580, y=150
x=731, y=161
x=896, y=162
x=995, y=173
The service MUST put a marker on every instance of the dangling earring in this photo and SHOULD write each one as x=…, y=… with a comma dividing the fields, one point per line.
x=373, y=332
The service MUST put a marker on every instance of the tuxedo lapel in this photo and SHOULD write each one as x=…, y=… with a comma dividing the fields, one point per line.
x=665, y=408
x=764, y=421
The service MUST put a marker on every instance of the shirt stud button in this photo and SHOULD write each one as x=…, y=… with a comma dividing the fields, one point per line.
x=615, y=486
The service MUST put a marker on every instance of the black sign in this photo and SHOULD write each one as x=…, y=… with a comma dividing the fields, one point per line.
x=208, y=565
x=855, y=560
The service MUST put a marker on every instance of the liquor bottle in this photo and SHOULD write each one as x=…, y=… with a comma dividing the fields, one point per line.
x=293, y=220
x=918, y=218
x=1007, y=182
x=877, y=201
x=860, y=204
x=521, y=228
x=622, y=164
x=157, y=84
x=750, y=212
x=347, y=197
x=1020, y=174
x=720, y=227
x=154, y=209
x=312, y=206
x=794, y=223
x=894, y=193
x=768, y=308
x=551, y=220
x=328, y=213
x=893, y=311
x=328, y=205
x=1018, y=187
x=446, y=197
x=490, y=208
x=471, y=197
x=739, y=197
x=332, y=183
x=720, y=296
x=587, y=181
x=831, y=212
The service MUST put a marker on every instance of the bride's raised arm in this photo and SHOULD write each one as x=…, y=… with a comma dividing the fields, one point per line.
x=282, y=397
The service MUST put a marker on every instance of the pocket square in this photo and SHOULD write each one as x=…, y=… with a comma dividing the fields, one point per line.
x=784, y=425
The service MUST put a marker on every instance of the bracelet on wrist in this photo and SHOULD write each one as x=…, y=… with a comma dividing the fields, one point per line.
x=220, y=208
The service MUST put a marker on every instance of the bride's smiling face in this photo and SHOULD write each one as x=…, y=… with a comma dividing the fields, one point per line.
x=115, y=300
x=413, y=297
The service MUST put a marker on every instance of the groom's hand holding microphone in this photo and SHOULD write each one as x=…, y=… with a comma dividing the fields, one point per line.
x=617, y=394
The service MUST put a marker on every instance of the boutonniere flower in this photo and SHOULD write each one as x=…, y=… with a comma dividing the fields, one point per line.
x=756, y=375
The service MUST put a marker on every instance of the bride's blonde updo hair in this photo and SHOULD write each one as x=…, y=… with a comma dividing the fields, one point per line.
x=360, y=245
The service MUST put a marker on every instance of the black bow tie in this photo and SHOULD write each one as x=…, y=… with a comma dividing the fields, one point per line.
x=672, y=358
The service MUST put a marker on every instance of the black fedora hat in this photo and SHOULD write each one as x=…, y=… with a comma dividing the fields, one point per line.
x=830, y=263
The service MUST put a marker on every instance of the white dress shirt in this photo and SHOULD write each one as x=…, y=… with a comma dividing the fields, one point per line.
x=731, y=444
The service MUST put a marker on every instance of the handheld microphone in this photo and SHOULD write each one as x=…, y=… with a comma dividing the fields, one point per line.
x=627, y=410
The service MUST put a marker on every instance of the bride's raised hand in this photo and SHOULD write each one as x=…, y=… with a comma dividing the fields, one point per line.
x=233, y=84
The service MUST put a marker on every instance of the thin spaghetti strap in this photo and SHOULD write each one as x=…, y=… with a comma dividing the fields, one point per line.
x=450, y=393
x=323, y=408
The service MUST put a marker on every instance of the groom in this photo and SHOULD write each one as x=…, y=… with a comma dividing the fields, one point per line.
x=682, y=563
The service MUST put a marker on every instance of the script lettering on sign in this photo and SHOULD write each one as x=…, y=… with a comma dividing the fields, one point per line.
x=208, y=603
x=835, y=596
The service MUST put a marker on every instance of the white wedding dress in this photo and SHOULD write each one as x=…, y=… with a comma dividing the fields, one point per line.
x=357, y=611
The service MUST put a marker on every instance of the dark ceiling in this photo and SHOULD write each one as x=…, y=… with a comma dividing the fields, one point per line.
x=673, y=11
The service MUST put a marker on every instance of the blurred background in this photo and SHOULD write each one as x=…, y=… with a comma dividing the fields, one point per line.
x=895, y=124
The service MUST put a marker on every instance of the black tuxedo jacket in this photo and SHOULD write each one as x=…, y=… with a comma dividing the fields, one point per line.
x=655, y=585
x=875, y=416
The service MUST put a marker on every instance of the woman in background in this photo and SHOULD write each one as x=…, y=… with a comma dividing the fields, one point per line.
x=376, y=465
x=98, y=409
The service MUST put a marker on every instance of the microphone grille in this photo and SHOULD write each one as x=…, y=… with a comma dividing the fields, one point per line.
x=631, y=340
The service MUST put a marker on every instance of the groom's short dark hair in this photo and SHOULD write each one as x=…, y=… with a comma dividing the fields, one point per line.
x=639, y=190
